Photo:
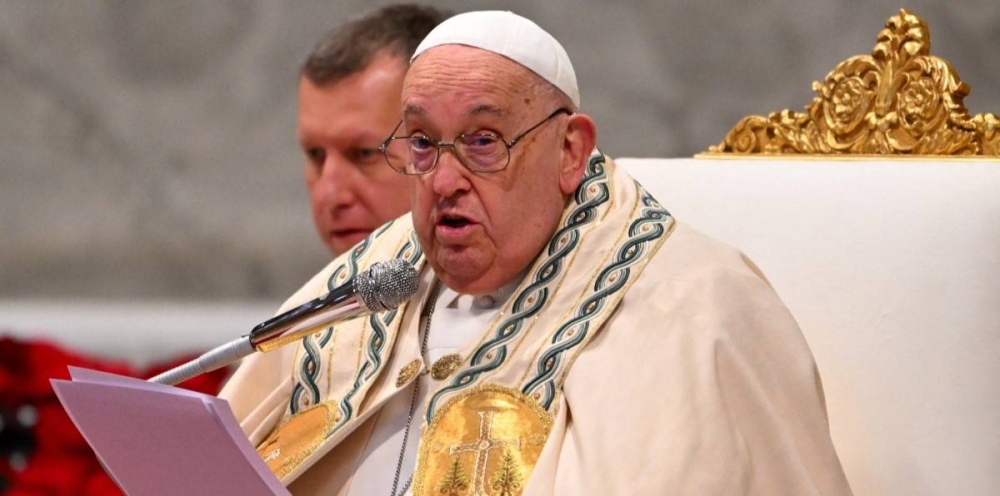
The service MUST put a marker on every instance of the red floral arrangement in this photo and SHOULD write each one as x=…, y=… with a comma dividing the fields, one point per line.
x=41, y=451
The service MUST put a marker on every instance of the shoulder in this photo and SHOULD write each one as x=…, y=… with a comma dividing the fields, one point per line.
x=692, y=270
x=698, y=305
x=703, y=366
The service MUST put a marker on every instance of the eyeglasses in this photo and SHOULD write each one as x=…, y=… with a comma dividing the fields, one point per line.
x=478, y=152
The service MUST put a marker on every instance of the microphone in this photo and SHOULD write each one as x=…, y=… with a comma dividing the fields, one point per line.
x=384, y=286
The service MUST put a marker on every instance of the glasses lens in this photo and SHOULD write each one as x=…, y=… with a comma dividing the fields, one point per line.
x=482, y=152
x=422, y=153
x=412, y=155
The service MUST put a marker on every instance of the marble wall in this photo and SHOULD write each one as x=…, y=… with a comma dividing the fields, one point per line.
x=147, y=149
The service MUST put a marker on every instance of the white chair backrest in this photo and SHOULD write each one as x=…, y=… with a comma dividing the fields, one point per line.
x=892, y=269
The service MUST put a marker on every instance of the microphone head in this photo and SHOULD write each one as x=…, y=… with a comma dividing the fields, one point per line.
x=386, y=285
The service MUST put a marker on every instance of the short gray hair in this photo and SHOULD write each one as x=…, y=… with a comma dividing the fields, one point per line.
x=394, y=29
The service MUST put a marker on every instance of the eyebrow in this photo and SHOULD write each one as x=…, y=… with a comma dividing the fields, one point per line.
x=487, y=109
x=413, y=110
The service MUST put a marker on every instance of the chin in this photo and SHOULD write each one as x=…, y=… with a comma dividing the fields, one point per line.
x=463, y=271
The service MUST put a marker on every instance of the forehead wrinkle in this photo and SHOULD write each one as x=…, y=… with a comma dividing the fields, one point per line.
x=454, y=68
x=493, y=88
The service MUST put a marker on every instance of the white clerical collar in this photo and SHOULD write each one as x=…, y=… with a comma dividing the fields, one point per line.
x=452, y=300
x=462, y=319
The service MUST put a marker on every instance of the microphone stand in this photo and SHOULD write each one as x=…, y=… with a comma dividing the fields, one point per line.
x=336, y=306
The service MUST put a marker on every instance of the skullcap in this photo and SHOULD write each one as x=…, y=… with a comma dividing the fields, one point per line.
x=512, y=36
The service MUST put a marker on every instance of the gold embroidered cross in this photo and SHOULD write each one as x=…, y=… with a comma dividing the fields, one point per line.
x=482, y=448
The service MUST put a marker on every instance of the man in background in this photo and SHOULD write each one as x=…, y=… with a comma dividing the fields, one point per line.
x=349, y=94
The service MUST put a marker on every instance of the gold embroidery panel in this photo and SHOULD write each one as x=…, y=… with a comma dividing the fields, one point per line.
x=485, y=441
x=297, y=437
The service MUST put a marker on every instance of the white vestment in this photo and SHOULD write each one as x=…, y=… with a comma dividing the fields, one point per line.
x=636, y=356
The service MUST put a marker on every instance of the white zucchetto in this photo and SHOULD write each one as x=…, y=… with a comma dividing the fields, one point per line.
x=512, y=36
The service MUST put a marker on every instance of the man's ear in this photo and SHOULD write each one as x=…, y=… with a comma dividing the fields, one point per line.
x=581, y=137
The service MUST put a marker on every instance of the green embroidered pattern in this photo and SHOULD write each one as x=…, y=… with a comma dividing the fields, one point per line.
x=380, y=322
x=651, y=223
x=305, y=392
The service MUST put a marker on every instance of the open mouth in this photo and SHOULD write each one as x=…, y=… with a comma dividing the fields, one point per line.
x=454, y=221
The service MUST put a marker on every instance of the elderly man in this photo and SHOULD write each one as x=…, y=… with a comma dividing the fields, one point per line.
x=568, y=336
x=348, y=100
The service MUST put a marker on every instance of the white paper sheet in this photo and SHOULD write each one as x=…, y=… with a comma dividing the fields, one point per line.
x=155, y=439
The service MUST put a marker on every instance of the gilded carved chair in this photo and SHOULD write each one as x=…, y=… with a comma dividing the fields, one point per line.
x=876, y=215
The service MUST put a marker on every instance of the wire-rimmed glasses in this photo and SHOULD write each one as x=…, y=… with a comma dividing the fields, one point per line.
x=478, y=152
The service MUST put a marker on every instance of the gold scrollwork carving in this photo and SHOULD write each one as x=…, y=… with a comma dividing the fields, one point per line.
x=899, y=100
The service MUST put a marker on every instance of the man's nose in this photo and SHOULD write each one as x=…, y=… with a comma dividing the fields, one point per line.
x=337, y=181
x=449, y=175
